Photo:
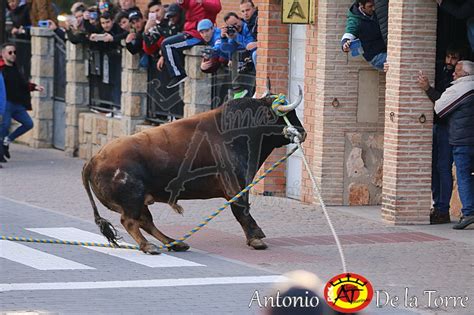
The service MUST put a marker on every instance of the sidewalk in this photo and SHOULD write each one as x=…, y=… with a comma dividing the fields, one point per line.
x=392, y=258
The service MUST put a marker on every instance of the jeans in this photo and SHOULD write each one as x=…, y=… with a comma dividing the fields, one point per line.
x=442, y=168
x=378, y=61
x=464, y=160
x=172, y=49
x=19, y=113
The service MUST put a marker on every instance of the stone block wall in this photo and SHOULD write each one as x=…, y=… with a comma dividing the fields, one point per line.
x=197, y=88
x=77, y=95
x=42, y=72
x=95, y=130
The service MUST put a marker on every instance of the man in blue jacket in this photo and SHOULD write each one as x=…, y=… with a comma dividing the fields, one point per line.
x=212, y=57
x=362, y=24
x=457, y=105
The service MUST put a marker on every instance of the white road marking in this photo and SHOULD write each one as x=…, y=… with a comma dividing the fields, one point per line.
x=155, y=283
x=35, y=258
x=154, y=261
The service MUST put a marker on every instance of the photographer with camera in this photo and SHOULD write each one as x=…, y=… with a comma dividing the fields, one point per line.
x=212, y=56
x=236, y=36
x=110, y=35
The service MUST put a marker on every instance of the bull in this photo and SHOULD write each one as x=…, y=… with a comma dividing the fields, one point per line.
x=209, y=155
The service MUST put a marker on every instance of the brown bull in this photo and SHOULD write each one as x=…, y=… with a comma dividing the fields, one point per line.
x=209, y=155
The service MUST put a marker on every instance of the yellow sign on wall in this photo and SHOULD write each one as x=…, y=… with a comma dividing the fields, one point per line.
x=297, y=11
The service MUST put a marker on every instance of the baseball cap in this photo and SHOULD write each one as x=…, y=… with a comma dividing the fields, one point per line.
x=135, y=15
x=172, y=10
x=204, y=25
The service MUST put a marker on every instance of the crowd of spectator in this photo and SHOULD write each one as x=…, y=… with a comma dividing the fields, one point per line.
x=158, y=34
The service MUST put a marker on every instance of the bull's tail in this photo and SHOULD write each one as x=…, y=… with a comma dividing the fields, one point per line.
x=106, y=228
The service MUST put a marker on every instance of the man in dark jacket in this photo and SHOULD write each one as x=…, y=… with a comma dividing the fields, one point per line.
x=463, y=10
x=442, y=158
x=18, y=97
x=457, y=104
x=134, y=40
x=362, y=24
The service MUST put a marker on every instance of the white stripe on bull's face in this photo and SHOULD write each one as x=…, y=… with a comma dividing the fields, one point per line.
x=120, y=177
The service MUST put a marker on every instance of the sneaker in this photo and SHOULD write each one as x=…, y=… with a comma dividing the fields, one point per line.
x=464, y=222
x=176, y=81
x=6, y=151
x=439, y=217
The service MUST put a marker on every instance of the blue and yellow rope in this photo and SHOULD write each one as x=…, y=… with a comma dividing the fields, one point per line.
x=178, y=241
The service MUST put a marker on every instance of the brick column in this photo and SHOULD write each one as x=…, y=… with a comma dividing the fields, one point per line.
x=77, y=94
x=344, y=146
x=42, y=72
x=272, y=62
x=197, y=88
x=134, y=92
x=408, y=142
x=326, y=70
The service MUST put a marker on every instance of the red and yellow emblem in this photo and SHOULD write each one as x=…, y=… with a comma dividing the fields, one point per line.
x=348, y=293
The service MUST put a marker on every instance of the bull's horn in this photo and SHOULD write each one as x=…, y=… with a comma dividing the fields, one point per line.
x=292, y=106
x=269, y=89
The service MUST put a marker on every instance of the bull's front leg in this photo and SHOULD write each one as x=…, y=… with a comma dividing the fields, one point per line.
x=253, y=232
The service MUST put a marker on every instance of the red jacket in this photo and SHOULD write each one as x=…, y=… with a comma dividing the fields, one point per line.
x=196, y=12
x=151, y=50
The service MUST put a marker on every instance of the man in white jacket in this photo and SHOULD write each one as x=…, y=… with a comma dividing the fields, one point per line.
x=457, y=105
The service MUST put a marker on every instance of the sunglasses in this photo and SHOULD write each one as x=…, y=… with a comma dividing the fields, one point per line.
x=13, y=52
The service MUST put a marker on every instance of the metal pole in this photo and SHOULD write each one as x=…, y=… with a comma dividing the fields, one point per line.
x=3, y=11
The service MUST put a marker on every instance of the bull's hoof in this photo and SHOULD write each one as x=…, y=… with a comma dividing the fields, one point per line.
x=151, y=249
x=256, y=243
x=180, y=247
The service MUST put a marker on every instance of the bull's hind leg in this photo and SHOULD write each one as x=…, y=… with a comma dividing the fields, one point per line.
x=251, y=229
x=133, y=228
x=146, y=223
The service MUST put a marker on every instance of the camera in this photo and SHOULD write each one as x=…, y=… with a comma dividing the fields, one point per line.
x=231, y=30
x=93, y=15
x=208, y=53
x=43, y=23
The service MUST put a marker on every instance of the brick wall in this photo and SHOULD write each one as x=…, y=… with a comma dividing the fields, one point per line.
x=407, y=156
x=331, y=74
x=273, y=63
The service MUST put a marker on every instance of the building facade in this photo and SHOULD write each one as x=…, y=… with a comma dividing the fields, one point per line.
x=369, y=133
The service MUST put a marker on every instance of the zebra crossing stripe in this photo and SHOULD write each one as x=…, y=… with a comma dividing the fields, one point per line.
x=35, y=258
x=153, y=283
x=74, y=234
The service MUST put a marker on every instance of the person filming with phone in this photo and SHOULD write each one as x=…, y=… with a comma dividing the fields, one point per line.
x=362, y=24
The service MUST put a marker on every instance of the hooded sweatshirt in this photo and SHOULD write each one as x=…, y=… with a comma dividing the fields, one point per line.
x=367, y=29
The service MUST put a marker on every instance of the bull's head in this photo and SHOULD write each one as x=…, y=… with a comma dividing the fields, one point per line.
x=290, y=113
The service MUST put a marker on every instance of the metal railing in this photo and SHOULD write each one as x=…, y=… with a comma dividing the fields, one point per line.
x=59, y=88
x=163, y=104
x=105, y=79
